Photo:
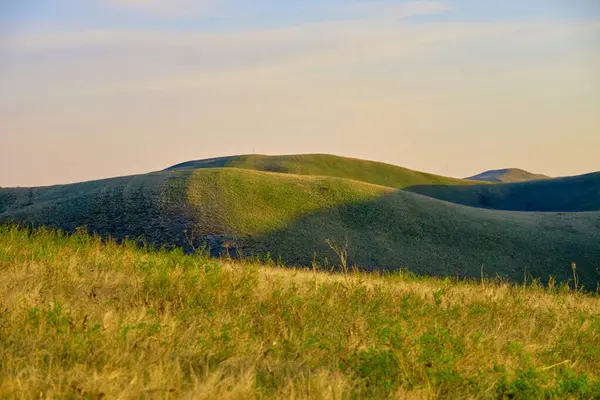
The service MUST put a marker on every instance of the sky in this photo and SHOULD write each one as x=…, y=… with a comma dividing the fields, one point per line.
x=91, y=89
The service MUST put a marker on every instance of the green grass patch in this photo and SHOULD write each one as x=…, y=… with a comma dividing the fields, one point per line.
x=85, y=317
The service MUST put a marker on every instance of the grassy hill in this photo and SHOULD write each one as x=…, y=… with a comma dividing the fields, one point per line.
x=82, y=318
x=292, y=216
x=328, y=165
x=142, y=205
x=508, y=175
x=578, y=193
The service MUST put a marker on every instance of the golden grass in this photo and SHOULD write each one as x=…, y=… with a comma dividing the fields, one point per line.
x=80, y=318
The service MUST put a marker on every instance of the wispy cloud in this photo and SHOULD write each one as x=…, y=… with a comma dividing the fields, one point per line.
x=348, y=22
x=392, y=10
x=322, y=35
x=157, y=60
x=147, y=60
x=167, y=8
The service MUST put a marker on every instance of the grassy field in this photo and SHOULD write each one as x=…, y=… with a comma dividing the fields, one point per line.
x=291, y=217
x=83, y=318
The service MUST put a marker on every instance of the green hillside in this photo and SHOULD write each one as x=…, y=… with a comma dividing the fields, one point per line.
x=328, y=165
x=578, y=193
x=292, y=216
x=143, y=205
x=509, y=175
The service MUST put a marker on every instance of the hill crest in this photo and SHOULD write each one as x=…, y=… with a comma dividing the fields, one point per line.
x=507, y=175
x=373, y=172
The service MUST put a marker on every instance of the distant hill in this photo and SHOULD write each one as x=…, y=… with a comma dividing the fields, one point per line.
x=508, y=175
x=577, y=193
x=291, y=216
x=327, y=165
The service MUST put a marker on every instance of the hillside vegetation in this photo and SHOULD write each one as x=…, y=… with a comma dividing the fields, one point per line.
x=292, y=217
x=328, y=165
x=85, y=318
x=142, y=205
x=508, y=175
x=532, y=192
x=577, y=193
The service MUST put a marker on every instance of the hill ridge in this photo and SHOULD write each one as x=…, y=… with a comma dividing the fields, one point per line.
x=507, y=175
x=375, y=172
x=566, y=194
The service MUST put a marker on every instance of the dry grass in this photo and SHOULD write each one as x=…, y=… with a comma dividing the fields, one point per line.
x=84, y=319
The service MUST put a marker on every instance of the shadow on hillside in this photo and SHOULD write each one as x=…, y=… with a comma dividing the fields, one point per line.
x=404, y=230
x=579, y=193
x=398, y=230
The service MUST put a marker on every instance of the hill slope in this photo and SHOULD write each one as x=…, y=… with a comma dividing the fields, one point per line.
x=577, y=193
x=541, y=194
x=328, y=165
x=508, y=175
x=292, y=216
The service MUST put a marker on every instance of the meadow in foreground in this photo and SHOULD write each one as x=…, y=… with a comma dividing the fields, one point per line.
x=85, y=318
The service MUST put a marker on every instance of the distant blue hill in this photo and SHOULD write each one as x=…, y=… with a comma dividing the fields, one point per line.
x=508, y=175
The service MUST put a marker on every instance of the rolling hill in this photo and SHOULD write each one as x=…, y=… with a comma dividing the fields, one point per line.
x=534, y=193
x=291, y=216
x=577, y=193
x=327, y=165
x=508, y=175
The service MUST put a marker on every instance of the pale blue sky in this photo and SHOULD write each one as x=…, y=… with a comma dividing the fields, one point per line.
x=101, y=88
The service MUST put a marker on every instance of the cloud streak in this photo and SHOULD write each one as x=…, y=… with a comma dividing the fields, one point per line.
x=352, y=22
x=142, y=60
x=166, y=8
x=391, y=10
